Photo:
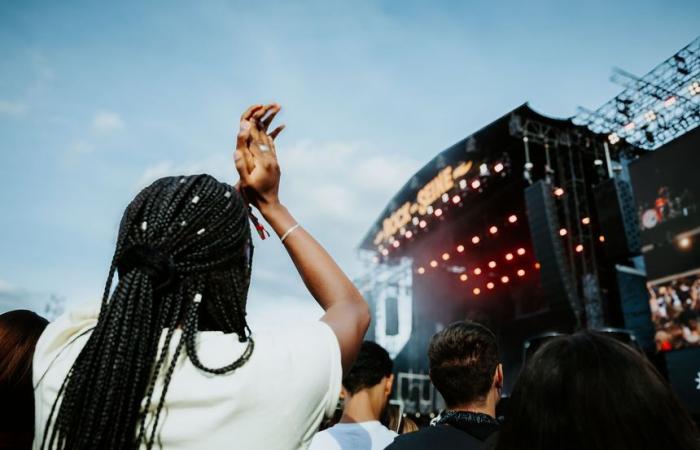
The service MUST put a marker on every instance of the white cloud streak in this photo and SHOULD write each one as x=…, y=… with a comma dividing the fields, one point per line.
x=107, y=122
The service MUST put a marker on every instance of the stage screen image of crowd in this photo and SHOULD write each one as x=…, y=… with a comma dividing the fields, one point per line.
x=667, y=190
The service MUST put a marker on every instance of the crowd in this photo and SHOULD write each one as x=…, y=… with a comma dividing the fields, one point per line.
x=168, y=360
x=675, y=311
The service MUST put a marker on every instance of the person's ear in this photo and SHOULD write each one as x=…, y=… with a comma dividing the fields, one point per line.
x=389, y=384
x=344, y=393
x=498, y=376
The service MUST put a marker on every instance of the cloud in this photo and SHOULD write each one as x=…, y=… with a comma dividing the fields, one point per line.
x=107, y=122
x=13, y=109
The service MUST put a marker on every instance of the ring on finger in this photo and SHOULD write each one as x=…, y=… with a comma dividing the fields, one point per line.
x=264, y=148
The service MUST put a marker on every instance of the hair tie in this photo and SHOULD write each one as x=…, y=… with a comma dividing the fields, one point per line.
x=155, y=263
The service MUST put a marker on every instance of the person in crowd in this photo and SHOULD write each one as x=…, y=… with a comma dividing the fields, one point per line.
x=590, y=392
x=465, y=369
x=19, y=332
x=366, y=390
x=168, y=358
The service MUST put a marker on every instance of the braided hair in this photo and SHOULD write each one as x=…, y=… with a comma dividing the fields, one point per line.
x=183, y=260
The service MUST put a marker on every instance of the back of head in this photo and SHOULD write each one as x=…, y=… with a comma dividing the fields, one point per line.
x=19, y=333
x=463, y=359
x=373, y=364
x=589, y=391
x=183, y=257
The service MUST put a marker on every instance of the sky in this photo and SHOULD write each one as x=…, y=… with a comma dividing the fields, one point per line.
x=98, y=99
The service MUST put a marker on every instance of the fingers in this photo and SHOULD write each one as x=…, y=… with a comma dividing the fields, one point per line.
x=272, y=112
x=239, y=160
x=276, y=131
x=249, y=112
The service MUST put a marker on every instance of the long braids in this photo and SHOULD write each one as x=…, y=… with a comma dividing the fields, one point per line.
x=183, y=257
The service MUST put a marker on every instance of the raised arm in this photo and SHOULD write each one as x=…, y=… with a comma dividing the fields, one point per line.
x=256, y=161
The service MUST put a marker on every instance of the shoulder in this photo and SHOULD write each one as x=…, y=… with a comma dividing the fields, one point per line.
x=441, y=436
x=323, y=441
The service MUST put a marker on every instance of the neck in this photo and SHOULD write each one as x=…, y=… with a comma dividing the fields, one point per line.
x=486, y=406
x=359, y=408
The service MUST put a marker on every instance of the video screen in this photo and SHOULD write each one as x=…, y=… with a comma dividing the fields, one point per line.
x=675, y=311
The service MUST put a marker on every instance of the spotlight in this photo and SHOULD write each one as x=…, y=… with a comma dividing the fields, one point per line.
x=509, y=257
x=563, y=232
x=415, y=220
x=521, y=251
x=505, y=279
x=409, y=234
x=493, y=230
x=613, y=138
x=484, y=170
x=396, y=244
x=601, y=238
x=433, y=264
x=421, y=270
x=456, y=199
x=475, y=240
x=670, y=101
x=598, y=162
x=463, y=277
x=586, y=220
x=650, y=116
x=521, y=273
x=423, y=224
x=438, y=212
x=429, y=209
x=385, y=252
x=492, y=264
x=477, y=271
x=490, y=285
x=513, y=218
x=558, y=192
x=445, y=256
x=445, y=197
x=579, y=248
x=476, y=184
x=694, y=88
x=529, y=166
x=463, y=184
x=476, y=291
x=498, y=167
x=684, y=243
x=460, y=248
x=537, y=266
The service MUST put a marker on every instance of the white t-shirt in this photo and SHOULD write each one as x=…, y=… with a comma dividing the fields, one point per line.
x=354, y=436
x=274, y=402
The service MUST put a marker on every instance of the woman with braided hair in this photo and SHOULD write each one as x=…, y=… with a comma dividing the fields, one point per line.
x=168, y=358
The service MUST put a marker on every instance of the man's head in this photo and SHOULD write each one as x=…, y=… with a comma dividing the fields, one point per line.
x=371, y=375
x=464, y=364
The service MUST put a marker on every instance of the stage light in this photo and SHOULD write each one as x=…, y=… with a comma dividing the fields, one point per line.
x=438, y=212
x=476, y=184
x=415, y=221
x=597, y=162
x=385, y=252
x=477, y=271
x=650, y=116
x=421, y=270
x=396, y=244
x=498, y=167
x=601, y=238
x=586, y=220
x=490, y=285
x=445, y=197
x=463, y=277
x=521, y=251
x=513, y=218
x=505, y=279
x=484, y=170
x=493, y=230
x=475, y=240
x=630, y=126
x=476, y=291
x=563, y=232
x=429, y=209
x=423, y=224
x=613, y=138
x=445, y=256
x=694, y=88
x=537, y=266
x=579, y=248
x=670, y=101
x=492, y=264
x=460, y=248
x=521, y=273
x=684, y=243
x=509, y=257
x=409, y=234
x=456, y=199
x=558, y=192
x=463, y=184
x=433, y=264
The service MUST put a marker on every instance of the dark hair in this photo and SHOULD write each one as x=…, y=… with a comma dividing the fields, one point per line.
x=589, y=391
x=19, y=333
x=182, y=241
x=372, y=364
x=463, y=359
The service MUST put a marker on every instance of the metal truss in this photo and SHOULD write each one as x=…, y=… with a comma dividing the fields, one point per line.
x=653, y=109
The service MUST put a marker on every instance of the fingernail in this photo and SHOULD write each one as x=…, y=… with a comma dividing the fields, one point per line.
x=245, y=125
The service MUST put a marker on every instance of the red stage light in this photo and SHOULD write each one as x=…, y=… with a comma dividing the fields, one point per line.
x=463, y=277
x=498, y=167
x=445, y=256
x=513, y=218
x=476, y=184
x=456, y=199
x=476, y=291
x=409, y=234
x=521, y=251
x=396, y=244
x=477, y=271
x=460, y=248
x=579, y=248
x=509, y=256
x=475, y=240
x=521, y=273
x=421, y=270
x=490, y=285
x=601, y=238
x=563, y=232
x=433, y=264
x=558, y=192
x=493, y=230
x=505, y=279
x=423, y=224
x=537, y=266
x=438, y=212
x=492, y=264
x=385, y=252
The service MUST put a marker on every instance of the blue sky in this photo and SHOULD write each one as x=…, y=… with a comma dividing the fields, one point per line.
x=96, y=100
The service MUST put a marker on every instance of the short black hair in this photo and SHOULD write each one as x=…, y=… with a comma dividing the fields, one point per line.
x=463, y=358
x=372, y=364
